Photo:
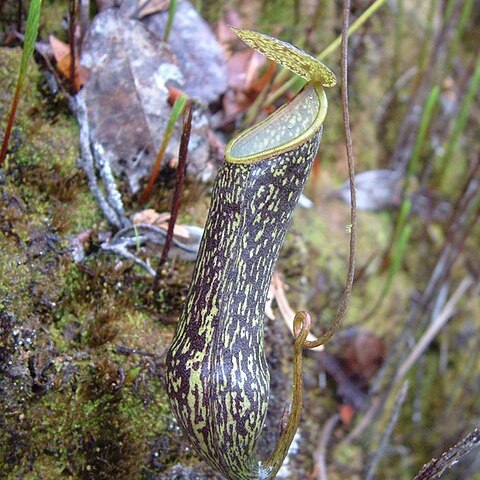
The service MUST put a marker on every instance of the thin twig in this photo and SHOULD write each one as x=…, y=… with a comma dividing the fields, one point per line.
x=87, y=162
x=347, y=390
x=71, y=37
x=437, y=467
x=141, y=233
x=321, y=452
x=93, y=157
x=388, y=433
x=19, y=14
x=337, y=322
x=466, y=217
x=122, y=251
x=378, y=404
x=435, y=327
x=408, y=130
x=113, y=195
x=181, y=170
x=458, y=231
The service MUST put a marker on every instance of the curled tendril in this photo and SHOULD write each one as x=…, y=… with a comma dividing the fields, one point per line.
x=301, y=329
x=310, y=344
x=337, y=323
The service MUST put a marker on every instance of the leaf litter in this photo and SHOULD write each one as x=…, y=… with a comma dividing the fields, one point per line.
x=127, y=94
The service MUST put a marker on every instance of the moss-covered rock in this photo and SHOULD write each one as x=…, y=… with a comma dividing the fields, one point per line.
x=81, y=359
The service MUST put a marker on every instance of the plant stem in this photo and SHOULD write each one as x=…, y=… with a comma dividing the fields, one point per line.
x=181, y=171
x=300, y=82
x=464, y=17
x=177, y=109
x=28, y=46
x=425, y=122
x=397, y=41
x=171, y=15
x=337, y=322
x=459, y=125
x=402, y=231
x=72, y=41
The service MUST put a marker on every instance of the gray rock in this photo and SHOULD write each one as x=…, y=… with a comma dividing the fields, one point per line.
x=126, y=98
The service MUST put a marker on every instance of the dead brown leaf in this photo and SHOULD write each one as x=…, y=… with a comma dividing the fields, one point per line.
x=224, y=33
x=249, y=72
x=151, y=217
x=347, y=412
x=277, y=290
x=151, y=7
x=62, y=54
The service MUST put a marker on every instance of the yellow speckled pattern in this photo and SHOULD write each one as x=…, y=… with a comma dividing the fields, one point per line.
x=290, y=57
x=217, y=377
x=291, y=125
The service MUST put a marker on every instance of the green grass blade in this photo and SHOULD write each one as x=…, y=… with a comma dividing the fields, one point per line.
x=30, y=34
x=398, y=37
x=405, y=209
x=366, y=15
x=177, y=109
x=399, y=253
x=298, y=82
x=171, y=15
x=28, y=47
x=425, y=122
x=465, y=15
x=459, y=124
x=428, y=37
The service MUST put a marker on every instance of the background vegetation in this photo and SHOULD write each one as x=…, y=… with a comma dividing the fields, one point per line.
x=83, y=342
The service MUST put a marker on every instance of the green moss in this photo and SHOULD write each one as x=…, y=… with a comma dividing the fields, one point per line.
x=107, y=436
x=74, y=408
x=10, y=59
x=53, y=17
x=77, y=407
x=86, y=212
x=349, y=455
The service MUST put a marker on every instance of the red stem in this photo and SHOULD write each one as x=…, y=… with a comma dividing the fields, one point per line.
x=11, y=118
x=181, y=171
x=71, y=34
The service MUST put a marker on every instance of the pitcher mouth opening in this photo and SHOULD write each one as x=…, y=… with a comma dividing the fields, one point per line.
x=283, y=130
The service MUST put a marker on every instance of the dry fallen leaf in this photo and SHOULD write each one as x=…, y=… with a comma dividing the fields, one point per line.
x=193, y=43
x=127, y=100
x=144, y=8
x=224, y=33
x=360, y=352
x=375, y=189
x=60, y=49
x=151, y=217
x=249, y=72
x=62, y=54
x=174, y=94
x=347, y=412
